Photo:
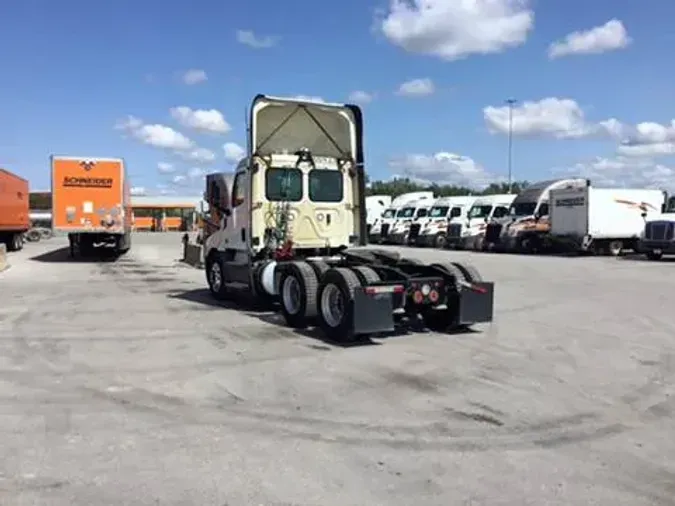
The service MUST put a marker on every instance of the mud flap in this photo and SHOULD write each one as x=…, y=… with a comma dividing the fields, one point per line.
x=476, y=304
x=373, y=313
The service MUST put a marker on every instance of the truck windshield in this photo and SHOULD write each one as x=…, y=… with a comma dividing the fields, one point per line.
x=389, y=213
x=480, y=211
x=522, y=208
x=406, y=212
x=283, y=185
x=325, y=185
x=439, y=212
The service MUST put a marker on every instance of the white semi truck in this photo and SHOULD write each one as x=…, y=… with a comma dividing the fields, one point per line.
x=469, y=234
x=603, y=221
x=434, y=230
x=291, y=222
x=376, y=205
x=379, y=233
x=410, y=217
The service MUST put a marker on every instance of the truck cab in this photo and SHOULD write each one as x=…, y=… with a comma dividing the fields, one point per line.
x=658, y=237
x=375, y=208
x=482, y=212
x=408, y=221
x=379, y=232
x=527, y=220
x=434, y=229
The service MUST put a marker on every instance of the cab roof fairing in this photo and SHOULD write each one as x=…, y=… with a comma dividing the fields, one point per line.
x=279, y=125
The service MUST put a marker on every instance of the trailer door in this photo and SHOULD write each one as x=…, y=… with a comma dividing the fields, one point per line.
x=569, y=211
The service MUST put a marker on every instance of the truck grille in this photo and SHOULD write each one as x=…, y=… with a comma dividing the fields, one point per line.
x=414, y=231
x=659, y=231
x=384, y=231
x=454, y=230
x=492, y=232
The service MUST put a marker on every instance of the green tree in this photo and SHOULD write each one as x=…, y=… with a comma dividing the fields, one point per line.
x=399, y=186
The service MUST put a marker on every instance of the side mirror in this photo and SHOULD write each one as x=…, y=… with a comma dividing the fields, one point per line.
x=644, y=215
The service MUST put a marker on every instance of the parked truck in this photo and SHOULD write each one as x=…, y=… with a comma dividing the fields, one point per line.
x=14, y=210
x=408, y=222
x=434, y=230
x=91, y=203
x=292, y=226
x=603, y=221
x=376, y=205
x=470, y=234
x=382, y=227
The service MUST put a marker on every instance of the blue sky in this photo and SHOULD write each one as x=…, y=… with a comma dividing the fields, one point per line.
x=602, y=107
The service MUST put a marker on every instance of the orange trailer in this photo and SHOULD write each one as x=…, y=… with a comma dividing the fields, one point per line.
x=91, y=202
x=14, y=210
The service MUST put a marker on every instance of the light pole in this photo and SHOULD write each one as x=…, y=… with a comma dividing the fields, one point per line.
x=511, y=102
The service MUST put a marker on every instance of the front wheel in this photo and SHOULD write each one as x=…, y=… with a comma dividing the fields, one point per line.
x=654, y=255
x=215, y=276
x=440, y=240
x=15, y=242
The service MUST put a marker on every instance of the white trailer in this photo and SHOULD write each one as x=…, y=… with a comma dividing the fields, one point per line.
x=603, y=220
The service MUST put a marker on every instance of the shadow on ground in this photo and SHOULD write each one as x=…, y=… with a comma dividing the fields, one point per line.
x=62, y=255
x=637, y=257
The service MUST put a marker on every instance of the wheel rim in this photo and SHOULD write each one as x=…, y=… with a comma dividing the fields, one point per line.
x=290, y=294
x=615, y=248
x=332, y=305
x=216, y=277
x=440, y=241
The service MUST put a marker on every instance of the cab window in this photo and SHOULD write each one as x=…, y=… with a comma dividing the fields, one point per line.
x=283, y=185
x=326, y=185
x=238, y=190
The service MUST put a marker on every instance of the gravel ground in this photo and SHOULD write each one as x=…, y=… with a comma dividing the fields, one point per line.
x=123, y=383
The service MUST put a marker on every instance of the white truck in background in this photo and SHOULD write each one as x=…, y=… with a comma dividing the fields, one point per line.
x=381, y=228
x=409, y=216
x=470, y=233
x=375, y=207
x=434, y=230
x=658, y=237
x=604, y=221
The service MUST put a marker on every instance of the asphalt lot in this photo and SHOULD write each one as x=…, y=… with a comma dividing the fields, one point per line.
x=123, y=383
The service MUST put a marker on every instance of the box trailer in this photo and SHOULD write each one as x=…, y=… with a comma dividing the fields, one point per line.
x=91, y=203
x=14, y=210
x=603, y=220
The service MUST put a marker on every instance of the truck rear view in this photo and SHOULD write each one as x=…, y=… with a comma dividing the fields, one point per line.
x=14, y=210
x=91, y=203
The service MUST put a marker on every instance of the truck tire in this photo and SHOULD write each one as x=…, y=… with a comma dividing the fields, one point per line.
x=215, y=277
x=33, y=235
x=615, y=248
x=653, y=255
x=297, y=293
x=470, y=273
x=336, y=304
x=366, y=275
x=15, y=242
x=440, y=240
x=444, y=320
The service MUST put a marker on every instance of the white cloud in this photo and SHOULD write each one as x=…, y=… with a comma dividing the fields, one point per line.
x=179, y=179
x=165, y=168
x=623, y=172
x=202, y=120
x=308, y=98
x=361, y=97
x=196, y=173
x=417, y=88
x=249, y=38
x=442, y=168
x=194, y=76
x=233, y=152
x=156, y=135
x=560, y=118
x=199, y=155
x=600, y=39
x=138, y=191
x=649, y=139
x=451, y=30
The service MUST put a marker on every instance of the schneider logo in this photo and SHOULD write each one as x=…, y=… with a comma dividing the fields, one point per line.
x=571, y=202
x=88, y=182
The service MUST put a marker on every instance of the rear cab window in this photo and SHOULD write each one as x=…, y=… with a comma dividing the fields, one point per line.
x=283, y=185
x=326, y=185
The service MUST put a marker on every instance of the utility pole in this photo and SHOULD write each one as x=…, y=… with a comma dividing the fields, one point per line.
x=511, y=102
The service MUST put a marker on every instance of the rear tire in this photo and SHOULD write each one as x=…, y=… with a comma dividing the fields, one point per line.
x=445, y=320
x=15, y=242
x=336, y=304
x=298, y=294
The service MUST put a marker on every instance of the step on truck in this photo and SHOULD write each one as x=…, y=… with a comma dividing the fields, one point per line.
x=291, y=231
x=14, y=210
x=91, y=203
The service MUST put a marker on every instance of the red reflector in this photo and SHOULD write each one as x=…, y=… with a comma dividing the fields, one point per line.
x=478, y=289
x=418, y=297
x=433, y=296
x=374, y=290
